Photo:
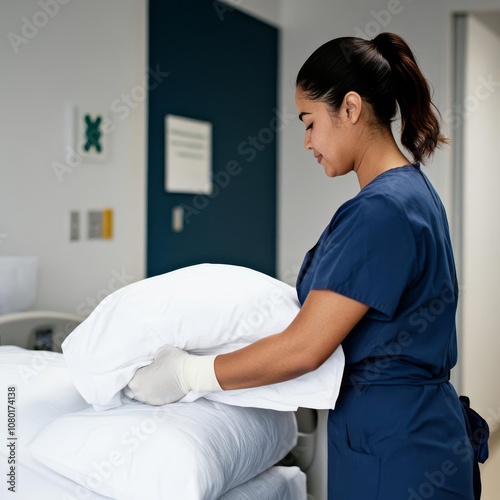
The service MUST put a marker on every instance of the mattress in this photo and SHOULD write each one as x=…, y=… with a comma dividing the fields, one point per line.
x=200, y=450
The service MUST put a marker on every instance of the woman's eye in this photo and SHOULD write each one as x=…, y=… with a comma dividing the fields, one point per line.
x=310, y=126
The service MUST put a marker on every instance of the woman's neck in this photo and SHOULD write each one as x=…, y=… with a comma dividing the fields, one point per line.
x=378, y=154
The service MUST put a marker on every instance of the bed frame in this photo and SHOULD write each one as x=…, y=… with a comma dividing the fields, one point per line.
x=42, y=330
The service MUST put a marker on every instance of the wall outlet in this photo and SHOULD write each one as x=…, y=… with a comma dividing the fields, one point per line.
x=95, y=225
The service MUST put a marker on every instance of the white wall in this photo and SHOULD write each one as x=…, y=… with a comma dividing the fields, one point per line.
x=88, y=53
x=307, y=198
x=481, y=340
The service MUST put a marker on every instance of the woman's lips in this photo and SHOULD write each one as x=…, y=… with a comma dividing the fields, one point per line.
x=318, y=158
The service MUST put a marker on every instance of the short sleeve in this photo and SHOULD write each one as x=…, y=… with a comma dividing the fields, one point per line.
x=369, y=254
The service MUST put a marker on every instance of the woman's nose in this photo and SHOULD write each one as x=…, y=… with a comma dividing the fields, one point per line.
x=307, y=141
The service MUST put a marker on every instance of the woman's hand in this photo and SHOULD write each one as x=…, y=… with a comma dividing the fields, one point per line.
x=171, y=375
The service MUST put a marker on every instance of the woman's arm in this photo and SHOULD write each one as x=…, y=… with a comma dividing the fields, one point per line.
x=324, y=320
x=322, y=323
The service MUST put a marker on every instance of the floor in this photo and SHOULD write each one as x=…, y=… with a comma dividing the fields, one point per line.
x=490, y=471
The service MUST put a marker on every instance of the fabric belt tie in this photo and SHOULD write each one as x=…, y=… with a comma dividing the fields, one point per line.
x=478, y=433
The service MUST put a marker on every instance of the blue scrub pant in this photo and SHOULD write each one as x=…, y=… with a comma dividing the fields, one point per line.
x=399, y=442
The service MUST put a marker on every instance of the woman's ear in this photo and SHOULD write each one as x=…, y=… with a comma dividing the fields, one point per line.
x=353, y=105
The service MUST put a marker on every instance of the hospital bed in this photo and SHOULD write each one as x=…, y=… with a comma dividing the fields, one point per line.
x=45, y=397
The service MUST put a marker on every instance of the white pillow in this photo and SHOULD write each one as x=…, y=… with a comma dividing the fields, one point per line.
x=204, y=309
x=189, y=451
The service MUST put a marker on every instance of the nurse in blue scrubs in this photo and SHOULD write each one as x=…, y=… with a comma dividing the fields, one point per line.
x=380, y=281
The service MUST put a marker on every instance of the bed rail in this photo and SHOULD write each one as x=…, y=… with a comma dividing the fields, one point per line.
x=37, y=330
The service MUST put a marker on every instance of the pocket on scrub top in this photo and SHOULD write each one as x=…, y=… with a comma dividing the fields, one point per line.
x=351, y=474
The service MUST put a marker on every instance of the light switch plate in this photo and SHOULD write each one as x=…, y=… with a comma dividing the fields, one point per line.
x=74, y=226
x=178, y=219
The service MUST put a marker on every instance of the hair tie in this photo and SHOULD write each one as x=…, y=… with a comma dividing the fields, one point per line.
x=376, y=43
x=381, y=44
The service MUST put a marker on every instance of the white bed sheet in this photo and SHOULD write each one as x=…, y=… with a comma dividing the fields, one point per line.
x=34, y=373
x=276, y=483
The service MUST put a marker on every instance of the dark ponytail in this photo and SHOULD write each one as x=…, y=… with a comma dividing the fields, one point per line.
x=420, y=132
x=385, y=74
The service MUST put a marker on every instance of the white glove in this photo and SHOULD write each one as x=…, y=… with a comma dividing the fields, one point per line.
x=171, y=375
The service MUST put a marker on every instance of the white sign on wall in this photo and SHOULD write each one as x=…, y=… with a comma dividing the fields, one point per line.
x=188, y=155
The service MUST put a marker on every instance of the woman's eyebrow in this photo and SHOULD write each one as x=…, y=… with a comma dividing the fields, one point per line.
x=302, y=114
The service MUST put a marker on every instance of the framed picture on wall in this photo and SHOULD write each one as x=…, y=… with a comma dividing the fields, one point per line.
x=91, y=131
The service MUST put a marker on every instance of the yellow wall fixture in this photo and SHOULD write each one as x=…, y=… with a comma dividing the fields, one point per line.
x=107, y=223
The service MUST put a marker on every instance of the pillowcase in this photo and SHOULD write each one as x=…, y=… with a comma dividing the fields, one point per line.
x=203, y=309
x=193, y=451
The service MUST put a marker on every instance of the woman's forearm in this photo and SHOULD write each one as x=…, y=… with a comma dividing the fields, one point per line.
x=324, y=321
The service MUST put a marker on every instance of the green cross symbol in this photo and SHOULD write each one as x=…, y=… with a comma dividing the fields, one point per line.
x=93, y=134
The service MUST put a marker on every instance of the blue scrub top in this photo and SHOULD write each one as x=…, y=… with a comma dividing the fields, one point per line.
x=398, y=430
x=389, y=248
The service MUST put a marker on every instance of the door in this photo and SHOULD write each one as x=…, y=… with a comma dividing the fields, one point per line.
x=222, y=68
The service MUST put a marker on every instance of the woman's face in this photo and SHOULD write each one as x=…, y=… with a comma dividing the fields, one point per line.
x=329, y=135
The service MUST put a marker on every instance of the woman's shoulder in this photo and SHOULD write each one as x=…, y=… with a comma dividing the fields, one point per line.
x=404, y=189
x=400, y=198
x=372, y=201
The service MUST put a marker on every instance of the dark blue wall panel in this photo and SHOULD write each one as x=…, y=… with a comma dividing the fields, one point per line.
x=222, y=67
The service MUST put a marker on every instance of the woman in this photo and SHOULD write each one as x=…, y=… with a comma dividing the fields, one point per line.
x=380, y=280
